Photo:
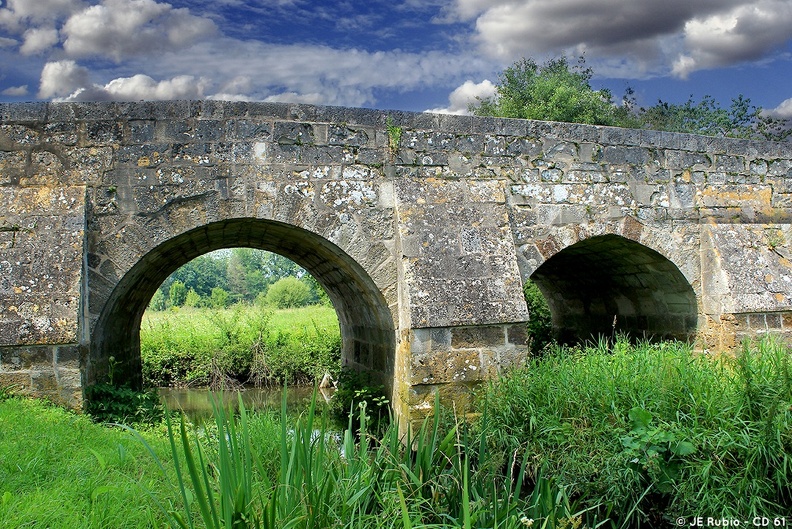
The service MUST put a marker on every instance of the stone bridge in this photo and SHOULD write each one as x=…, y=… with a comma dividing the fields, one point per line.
x=422, y=228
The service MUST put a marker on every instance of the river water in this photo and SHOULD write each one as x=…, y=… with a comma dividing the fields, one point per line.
x=197, y=403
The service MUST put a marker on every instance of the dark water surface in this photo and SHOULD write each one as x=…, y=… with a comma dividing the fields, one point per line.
x=197, y=403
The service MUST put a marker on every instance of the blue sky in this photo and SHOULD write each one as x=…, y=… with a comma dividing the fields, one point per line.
x=398, y=54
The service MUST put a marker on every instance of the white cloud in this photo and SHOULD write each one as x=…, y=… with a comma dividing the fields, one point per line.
x=38, y=40
x=121, y=28
x=16, y=91
x=62, y=78
x=19, y=14
x=319, y=74
x=144, y=87
x=744, y=33
x=784, y=110
x=294, y=97
x=651, y=37
x=67, y=81
x=460, y=99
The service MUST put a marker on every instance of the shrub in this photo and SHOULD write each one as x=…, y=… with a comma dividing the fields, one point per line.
x=219, y=298
x=112, y=404
x=540, y=327
x=288, y=293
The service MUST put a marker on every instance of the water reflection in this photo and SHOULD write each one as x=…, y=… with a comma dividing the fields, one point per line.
x=197, y=404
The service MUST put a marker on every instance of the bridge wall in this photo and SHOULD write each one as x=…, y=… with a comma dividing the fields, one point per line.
x=422, y=227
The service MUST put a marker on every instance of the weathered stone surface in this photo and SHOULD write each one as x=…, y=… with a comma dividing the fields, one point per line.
x=422, y=246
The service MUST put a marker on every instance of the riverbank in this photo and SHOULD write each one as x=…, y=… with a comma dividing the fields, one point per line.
x=613, y=435
x=242, y=343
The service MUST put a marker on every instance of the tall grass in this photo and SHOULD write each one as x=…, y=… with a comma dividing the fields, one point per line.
x=242, y=343
x=437, y=477
x=650, y=433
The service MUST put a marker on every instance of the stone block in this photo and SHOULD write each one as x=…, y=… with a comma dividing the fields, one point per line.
x=483, y=336
x=16, y=381
x=517, y=334
x=44, y=381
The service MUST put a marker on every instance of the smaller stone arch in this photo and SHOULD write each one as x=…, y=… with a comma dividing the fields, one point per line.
x=367, y=324
x=610, y=284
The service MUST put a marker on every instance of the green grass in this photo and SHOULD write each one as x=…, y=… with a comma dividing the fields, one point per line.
x=635, y=435
x=192, y=346
x=244, y=469
x=649, y=433
x=60, y=470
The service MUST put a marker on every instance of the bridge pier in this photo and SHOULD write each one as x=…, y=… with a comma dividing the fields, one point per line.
x=449, y=361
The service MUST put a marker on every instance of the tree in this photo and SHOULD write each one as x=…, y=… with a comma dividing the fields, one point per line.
x=707, y=117
x=288, y=293
x=554, y=91
x=157, y=301
x=177, y=294
x=192, y=299
x=558, y=91
x=219, y=298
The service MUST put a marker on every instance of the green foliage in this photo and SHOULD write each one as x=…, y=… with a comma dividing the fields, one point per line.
x=218, y=482
x=642, y=433
x=540, y=326
x=430, y=478
x=554, y=91
x=219, y=299
x=157, y=301
x=558, y=91
x=243, y=273
x=177, y=294
x=740, y=120
x=394, y=135
x=358, y=388
x=107, y=403
x=288, y=293
x=219, y=346
x=192, y=299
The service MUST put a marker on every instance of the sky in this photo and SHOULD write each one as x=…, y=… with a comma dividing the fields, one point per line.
x=412, y=55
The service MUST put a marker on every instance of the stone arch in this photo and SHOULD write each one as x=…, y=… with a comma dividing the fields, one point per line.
x=598, y=279
x=367, y=324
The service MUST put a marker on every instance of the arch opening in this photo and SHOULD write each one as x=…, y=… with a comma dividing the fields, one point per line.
x=366, y=323
x=609, y=284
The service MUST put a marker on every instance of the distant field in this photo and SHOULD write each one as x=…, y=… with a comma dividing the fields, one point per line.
x=199, y=346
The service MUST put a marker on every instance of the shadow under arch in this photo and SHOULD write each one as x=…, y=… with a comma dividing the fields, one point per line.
x=367, y=327
x=610, y=283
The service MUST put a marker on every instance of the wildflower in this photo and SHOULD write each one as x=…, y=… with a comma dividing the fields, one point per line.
x=527, y=522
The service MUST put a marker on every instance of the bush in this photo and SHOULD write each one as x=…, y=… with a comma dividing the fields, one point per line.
x=288, y=293
x=193, y=299
x=106, y=403
x=242, y=343
x=540, y=327
x=219, y=298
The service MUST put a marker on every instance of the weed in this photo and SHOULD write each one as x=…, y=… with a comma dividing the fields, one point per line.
x=394, y=135
x=106, y=403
